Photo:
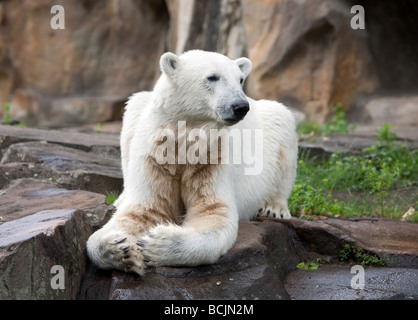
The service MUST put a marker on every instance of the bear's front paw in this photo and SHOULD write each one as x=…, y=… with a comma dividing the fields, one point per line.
x=124, y=253
x=160, y=245
x=274, y=212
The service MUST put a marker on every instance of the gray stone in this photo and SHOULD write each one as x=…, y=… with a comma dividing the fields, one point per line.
x=333, y=282
x=97, y=171
x=392, y=239
x=265, y=253
x=25, y=197
x=32, y=245
x=395, y=240
x=401, y=111
x=76, y=160
x=79, y=140
x=253, y=269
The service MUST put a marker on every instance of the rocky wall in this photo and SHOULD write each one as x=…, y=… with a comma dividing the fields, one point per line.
x=305, y=54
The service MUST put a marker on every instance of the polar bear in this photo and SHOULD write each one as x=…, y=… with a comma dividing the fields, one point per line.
x=185, y=212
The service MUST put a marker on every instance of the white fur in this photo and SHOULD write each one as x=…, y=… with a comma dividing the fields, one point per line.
x=184, y=93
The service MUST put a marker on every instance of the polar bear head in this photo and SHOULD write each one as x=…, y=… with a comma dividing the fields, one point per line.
x=200, y=86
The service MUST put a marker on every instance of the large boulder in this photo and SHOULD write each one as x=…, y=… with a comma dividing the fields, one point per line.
x=25, y=197
x=44, y=227
x=306, y=55
x=254, y=268
x=75, y=169
x=31, y=246
x=262, y=264
x=78, y=140
x=74, y=160
x=400, y=110
x=107, y=51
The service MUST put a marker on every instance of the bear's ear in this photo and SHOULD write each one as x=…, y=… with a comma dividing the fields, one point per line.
x=169, y=63
x=245, y=65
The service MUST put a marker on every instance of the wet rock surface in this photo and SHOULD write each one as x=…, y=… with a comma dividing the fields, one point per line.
x=334, y=283
x=48, y=209
x=253, y=269
x=262, y=265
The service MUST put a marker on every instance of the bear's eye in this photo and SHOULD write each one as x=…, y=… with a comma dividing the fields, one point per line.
x=213, y=77
x=241, y=80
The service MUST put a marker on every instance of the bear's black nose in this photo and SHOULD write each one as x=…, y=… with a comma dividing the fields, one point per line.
x=240, y=109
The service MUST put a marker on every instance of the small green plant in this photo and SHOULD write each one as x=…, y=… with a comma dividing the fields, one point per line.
x=310, y=265
x=313, y=264
x=347, y=253
x=111, y=197
x=350, y=253
x=385, y=135
x=338, y=123
x=6, y=119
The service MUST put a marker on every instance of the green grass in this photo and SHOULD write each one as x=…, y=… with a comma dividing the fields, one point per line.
x=382, y=182
x=111, y=197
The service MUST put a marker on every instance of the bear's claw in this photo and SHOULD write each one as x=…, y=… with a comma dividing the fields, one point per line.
x=119, y=240
x=273, y=213
x=129, y=259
